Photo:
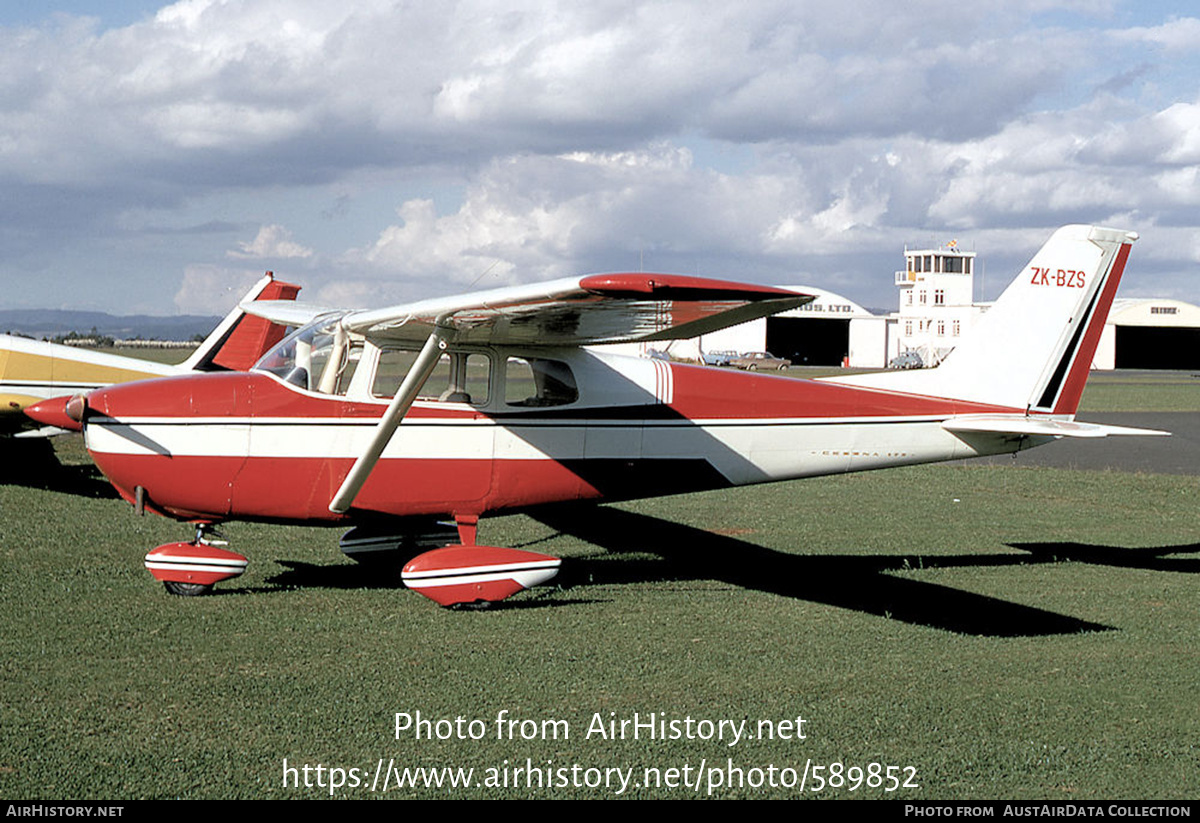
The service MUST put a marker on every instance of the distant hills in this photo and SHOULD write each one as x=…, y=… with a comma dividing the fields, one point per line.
x=47, y=323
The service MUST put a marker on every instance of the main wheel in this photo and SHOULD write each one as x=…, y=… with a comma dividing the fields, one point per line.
x=477, y=606
x=186, y=589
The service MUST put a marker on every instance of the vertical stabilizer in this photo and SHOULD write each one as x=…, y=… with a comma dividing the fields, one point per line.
x=241, y=339
x=1032, y=349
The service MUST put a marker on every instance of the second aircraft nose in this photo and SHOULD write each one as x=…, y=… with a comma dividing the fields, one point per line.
x=61, y=412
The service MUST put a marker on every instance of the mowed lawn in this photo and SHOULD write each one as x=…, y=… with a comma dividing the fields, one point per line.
x=993, y=631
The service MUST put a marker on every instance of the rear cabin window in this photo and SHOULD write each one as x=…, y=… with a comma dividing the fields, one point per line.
x=537, y=383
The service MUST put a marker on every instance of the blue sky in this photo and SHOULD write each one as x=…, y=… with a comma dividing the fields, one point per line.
x=110, y=13
x=157, y=158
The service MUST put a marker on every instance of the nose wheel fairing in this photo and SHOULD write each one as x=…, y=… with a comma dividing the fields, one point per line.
x=190, y=569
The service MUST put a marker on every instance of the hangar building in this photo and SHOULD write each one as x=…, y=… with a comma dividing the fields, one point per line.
x=1150, y=334
x=821, y=333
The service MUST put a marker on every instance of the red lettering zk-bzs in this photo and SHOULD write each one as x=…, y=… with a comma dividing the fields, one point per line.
x=1063, y=278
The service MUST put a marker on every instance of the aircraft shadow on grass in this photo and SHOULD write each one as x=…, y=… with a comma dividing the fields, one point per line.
x=34, y=464
x=857, y=582
x=299, y=574
x=1151, y=559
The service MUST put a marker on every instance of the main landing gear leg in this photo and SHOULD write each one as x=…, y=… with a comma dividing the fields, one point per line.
x=191, y=569
x=468, y=525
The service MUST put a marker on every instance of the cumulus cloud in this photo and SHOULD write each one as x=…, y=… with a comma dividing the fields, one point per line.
x=1074, y=165
x=1179, y=34
x=204, y=80
x=533, y=217
x=773, y=140
x=209, y=289
x=837, y=209
x=271, y=242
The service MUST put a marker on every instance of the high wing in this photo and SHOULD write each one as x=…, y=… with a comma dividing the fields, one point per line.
x=287, y=312
x=597, y=308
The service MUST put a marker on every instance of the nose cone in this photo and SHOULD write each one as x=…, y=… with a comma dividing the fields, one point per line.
x=63, y=412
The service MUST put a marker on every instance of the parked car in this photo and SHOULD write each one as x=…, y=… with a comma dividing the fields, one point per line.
x=718, y=358
x=759, y=360
x=907, y=360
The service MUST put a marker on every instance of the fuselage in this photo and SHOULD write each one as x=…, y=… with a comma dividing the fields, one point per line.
x=537, y=426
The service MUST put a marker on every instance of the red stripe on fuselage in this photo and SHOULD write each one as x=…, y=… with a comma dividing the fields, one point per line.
x=241, y=395
x=707, y=393
x=700, y=393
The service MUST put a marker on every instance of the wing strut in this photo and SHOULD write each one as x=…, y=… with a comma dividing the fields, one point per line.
x=422, y=367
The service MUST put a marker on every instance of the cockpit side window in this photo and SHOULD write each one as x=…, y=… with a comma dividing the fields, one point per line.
x=458, y=377
x=320, y=357
x=339, y=369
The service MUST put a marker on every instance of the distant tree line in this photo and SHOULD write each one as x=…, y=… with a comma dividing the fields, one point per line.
x=92, y=339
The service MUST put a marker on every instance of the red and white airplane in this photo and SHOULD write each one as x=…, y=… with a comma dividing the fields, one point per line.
x=453, y=409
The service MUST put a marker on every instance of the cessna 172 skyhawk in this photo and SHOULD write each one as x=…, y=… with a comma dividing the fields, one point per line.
x=461, y=407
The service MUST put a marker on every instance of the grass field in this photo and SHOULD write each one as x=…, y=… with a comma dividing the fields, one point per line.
x=1120, y=391
x=1005, y=632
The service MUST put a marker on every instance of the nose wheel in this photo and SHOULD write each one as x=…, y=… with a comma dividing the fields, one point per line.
x=192, y=569
x=186, y=589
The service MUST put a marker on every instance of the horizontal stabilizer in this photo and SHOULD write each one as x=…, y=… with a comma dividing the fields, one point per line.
x=1019, y=424
x=44, y=431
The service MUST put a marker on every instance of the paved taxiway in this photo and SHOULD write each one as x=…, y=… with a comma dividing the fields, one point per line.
x=1177, y=454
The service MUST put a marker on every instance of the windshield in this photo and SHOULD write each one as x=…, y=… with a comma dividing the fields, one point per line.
x=316, y=357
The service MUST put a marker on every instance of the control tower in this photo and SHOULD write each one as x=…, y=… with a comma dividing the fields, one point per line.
x=936, y=307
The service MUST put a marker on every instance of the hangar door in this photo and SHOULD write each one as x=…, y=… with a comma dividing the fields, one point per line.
x=1157, y=347
x=809, y=342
